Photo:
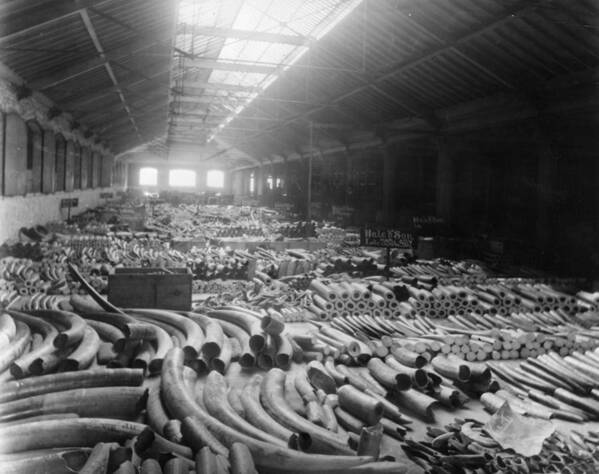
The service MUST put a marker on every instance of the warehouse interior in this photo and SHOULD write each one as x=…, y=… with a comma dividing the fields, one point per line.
x=376, y=220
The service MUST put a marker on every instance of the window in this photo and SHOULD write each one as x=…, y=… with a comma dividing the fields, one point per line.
x=183, y=178
x=148, y=177
x=269, y=182
x=252, y=183
x=215, y=179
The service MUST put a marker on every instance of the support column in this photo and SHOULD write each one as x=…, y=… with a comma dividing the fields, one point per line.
x=389, y=181
x=445, y=180
x=347, y=176
x=163, y=177
x=286, y=184
x=48, y=175
x=259, y=180
x=597, y=198
x=546, y=176
x=69, y=184
x=309, y=188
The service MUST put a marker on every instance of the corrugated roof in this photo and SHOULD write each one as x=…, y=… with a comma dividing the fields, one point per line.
x=358, y=67
x=93, y=58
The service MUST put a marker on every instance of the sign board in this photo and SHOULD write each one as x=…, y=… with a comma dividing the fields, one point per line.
x=424, y=221
x=106, y=195
x=387, y=238
x=69, y=202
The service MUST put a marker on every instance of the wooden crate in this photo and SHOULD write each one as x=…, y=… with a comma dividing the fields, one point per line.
x=150, y=288
x=185, y=245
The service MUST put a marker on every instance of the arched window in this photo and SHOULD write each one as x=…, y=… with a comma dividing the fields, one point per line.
x=35, y=157
x=60, y=162
x=215, y=179
x=182, y=178
x=148, y=177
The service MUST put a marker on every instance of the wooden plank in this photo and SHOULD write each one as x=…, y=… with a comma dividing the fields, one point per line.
x=150, y=288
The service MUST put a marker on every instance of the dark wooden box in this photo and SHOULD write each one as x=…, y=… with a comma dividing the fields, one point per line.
x=185, y=245
x=150, y=288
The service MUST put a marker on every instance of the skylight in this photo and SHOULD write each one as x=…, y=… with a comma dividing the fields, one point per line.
x=251, y=41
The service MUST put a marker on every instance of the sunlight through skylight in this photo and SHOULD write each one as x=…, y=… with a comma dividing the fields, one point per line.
x=248, y=34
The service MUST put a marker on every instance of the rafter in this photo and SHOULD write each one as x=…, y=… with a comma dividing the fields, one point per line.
x=404, y=65
x=78, y=68
x=94, y=37
x=37, y=16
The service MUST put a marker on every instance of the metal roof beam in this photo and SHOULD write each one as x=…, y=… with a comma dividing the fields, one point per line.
x=79, y=67
x=442, y=40
x=242, y=34
x=220, y=86
x=96, y=41
x=508, y=15
x=231, y=66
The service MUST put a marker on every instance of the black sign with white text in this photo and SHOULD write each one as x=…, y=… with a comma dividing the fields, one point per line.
x=69, y=202
x=388, y=238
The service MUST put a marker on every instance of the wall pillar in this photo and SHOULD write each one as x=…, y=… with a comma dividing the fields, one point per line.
x=259, y=183
x=347, y=178
x=286, y=184
x=15, y=156
x=237, y=183
x=48, y=175
x=546, y=176
x=445, y=180
x=69, y=183
x=389, y=184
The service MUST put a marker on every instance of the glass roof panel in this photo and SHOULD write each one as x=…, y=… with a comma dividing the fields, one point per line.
x=244, y=34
